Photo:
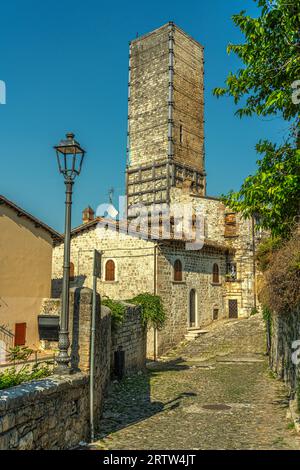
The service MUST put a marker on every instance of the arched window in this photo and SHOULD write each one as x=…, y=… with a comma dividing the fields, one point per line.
x=216, y=273
x=178, y=271
x=110, y=270
x=72, y=272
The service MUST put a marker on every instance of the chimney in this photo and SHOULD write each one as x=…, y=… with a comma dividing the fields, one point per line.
x=87, y=215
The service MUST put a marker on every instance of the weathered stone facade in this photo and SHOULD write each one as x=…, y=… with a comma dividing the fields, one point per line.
x=130, y=336
x=285, y=329
x=53, y=413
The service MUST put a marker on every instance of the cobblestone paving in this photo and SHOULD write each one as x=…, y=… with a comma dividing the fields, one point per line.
x=166, y=408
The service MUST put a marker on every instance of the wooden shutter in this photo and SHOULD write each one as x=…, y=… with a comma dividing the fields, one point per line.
x=215, y=273
x=20, y=334
x=72, y=272
x=178, y=271
x=110, y=270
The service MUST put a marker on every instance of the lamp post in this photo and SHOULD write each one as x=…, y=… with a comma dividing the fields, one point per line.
x=70, y=157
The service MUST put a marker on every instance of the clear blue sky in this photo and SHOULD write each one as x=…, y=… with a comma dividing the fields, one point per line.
x=65, y=64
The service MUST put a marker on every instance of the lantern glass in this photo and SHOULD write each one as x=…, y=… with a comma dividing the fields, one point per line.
x=70, y=156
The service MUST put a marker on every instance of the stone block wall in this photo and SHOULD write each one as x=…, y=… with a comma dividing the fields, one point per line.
x=285, y=329
x=131, y=337
x=53, y=413
x=244, y=289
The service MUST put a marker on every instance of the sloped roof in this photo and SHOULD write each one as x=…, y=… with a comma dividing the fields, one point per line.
x=122, y=227
x=38, y=223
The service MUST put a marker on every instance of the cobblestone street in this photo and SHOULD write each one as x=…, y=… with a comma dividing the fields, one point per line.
x=213, y=393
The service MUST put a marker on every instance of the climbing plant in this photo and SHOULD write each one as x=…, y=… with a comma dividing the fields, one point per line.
x=152, y=310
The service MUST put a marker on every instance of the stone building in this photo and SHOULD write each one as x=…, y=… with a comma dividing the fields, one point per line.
x=166, y=168
x=25, y=274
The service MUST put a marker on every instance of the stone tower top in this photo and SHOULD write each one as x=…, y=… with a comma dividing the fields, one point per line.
x=165, y=115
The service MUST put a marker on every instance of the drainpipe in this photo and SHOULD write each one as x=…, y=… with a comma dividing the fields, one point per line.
x=155, y=292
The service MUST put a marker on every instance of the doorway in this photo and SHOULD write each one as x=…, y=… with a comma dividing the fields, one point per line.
x=233, y=308
x=192, y=308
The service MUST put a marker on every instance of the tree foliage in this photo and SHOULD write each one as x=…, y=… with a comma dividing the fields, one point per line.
x=272, y=194
x=271, y=55
x=271, y=59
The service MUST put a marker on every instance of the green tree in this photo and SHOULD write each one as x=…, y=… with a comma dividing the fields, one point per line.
x=271, y=59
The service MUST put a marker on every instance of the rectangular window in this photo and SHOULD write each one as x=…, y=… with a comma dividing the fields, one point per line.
x=180, y=133
x=20, y=334
x=215, y=313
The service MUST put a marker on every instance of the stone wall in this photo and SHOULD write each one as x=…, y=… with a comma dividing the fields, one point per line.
x=244, y=242
x=134, y=261
x=197, y=274
x=53, y=413
x=285, y=329
x=130, y=336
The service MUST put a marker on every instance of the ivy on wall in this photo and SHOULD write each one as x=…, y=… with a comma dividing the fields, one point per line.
x=152, y=310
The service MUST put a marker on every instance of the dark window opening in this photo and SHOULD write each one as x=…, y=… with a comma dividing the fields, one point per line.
x=178, y=271
x=215, y=313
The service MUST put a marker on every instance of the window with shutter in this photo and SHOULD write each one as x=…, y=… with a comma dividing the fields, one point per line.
x=110, y=270
x=216, y=279
x=178, y=271
x=20, y=334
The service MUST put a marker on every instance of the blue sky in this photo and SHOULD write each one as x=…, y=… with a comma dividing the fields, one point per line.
x=65, y=65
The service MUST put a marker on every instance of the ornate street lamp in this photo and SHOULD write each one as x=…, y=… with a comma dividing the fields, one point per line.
x=70, y=157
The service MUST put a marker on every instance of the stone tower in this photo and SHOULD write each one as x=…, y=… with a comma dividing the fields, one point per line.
x=165, y=116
